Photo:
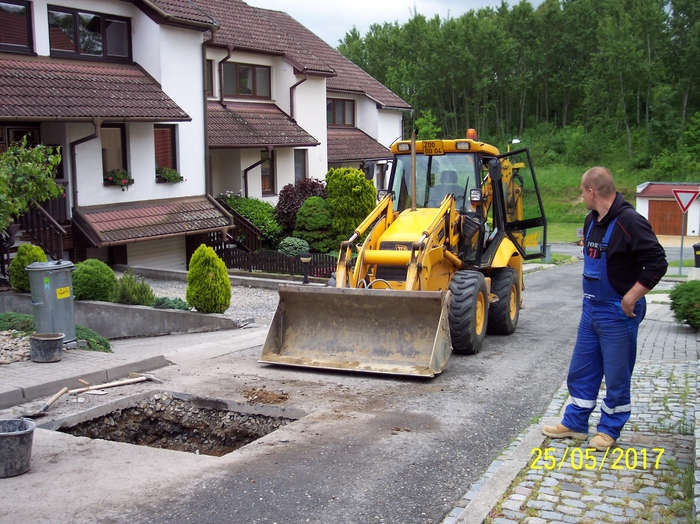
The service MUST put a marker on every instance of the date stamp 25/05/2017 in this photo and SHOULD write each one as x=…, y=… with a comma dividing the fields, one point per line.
x=590, y=459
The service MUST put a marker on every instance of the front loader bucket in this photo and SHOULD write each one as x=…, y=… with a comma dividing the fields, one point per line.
x=380, y=331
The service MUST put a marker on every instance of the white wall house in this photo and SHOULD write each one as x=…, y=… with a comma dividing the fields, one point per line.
x=198, y=86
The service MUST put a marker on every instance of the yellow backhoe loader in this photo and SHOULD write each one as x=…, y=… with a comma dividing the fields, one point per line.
x=438, y=264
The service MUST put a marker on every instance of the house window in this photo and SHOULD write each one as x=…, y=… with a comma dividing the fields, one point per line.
x=267, y=172
x=246, y=80
x=113, y=150
x=209, y=77
x=84, y=34
x=165, y=146
x=299, y=165
x=340, y=112
x=16, y=26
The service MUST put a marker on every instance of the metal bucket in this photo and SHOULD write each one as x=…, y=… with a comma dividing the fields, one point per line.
x=380, y=331
x=46, y=347
x=16, y=437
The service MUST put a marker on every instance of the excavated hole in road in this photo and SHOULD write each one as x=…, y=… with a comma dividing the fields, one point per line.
x=183, y=423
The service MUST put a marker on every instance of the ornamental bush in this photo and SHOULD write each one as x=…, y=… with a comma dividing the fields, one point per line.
x=260, y=213
x=208, y=286
x=314, y=226
x=293, y=247
x=685, y=303
x=171, y=303
x=292, y=196
x=351, y=197
x=26, y=254
x=93, y=280
x=133, y=290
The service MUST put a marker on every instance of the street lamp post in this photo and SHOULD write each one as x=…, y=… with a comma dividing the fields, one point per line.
x=305, y=259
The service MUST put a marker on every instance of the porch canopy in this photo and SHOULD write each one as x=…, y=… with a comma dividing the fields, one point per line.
x=117, y=224
x=247, y=125
x=39, y=90
x=351, y=144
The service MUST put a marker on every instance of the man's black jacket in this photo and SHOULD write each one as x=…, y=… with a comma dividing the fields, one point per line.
x=633, y=254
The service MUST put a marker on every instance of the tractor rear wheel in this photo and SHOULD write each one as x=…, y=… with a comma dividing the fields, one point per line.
x=468, y=313
x=504, y=314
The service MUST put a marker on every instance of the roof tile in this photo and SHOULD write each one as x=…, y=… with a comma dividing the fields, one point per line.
x=30, y=88
x=129, y=222
x=250, y=124
x=350, y=144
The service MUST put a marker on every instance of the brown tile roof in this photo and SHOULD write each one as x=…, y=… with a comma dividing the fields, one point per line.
x=138, y=221
x=350, y=144
x=665, y=189
x=179, y=12
x=349, y=77
x=248, y=27
x=253, y=125
x=275, y=32
x=34, y=89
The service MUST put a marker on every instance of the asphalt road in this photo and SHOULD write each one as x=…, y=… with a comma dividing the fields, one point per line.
x=383, y=449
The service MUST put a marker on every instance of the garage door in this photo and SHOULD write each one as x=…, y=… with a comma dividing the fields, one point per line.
x=666, y=217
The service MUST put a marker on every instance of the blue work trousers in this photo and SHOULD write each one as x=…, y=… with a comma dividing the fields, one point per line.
x=606, y=346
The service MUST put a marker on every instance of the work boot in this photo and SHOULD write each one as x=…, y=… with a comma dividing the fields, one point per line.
x=601, y=442
x=561, y=431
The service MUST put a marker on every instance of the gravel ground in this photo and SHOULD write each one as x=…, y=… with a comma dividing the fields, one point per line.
x=246, y=302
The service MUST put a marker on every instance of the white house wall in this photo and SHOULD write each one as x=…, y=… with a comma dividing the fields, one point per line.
x=226, y=164
x=310, y=114
x=390, y=127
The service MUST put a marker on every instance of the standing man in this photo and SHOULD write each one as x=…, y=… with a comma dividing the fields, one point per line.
x=623, y=261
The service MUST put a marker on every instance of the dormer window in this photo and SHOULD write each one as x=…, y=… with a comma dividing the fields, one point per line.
x=83, y=34
x=246, y=80
x=15, y=26
x=340, y=112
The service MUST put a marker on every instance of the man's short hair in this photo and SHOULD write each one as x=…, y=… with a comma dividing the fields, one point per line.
x=600, y=180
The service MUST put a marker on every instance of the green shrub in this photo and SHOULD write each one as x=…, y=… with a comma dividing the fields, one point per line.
x=208, y=286
x=24, y=324
x=351, y=197
x=93, y=280
x=292, y=196
x=26, y=254
x=315, y=227
x=171, y=303
x=685, y=303
x=293, y=247
x=132, y=290
x=260, y=213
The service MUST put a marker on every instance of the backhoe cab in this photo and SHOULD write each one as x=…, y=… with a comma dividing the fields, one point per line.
x=439, y=265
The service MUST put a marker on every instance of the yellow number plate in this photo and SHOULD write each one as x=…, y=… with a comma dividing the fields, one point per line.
x=433, y=147
x=62, y=292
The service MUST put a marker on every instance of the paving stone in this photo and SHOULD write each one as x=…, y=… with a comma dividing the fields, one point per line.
x=607, y=508
x=573, y=503
x=540, y=504
x=569, y=510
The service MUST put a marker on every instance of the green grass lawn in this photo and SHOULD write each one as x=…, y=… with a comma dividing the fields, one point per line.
x=562, y=232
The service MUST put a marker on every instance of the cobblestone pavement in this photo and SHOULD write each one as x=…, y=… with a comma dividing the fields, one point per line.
x=650, y=476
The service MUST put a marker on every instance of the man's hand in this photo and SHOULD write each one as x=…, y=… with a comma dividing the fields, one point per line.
x=631, y=298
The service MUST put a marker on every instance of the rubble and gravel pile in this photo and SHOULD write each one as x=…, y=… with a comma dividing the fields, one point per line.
x=165, y=421
x=14, y=347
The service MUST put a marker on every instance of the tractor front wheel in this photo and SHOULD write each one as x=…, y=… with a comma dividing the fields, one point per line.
x=504, y=314
x=468, y=314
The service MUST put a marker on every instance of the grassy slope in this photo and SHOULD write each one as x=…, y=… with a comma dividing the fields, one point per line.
x=561, y=194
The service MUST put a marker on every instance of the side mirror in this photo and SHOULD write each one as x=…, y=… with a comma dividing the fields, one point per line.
x=475, y=196
x=381, y=193
x=495, y=169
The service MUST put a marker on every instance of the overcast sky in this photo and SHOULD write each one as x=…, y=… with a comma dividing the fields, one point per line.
x=331, y=19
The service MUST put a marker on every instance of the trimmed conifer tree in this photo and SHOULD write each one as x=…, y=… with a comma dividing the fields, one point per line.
x=208, y=286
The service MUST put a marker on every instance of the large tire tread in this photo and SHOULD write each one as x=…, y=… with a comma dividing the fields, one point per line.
x=504, y=314
x=466, y=286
